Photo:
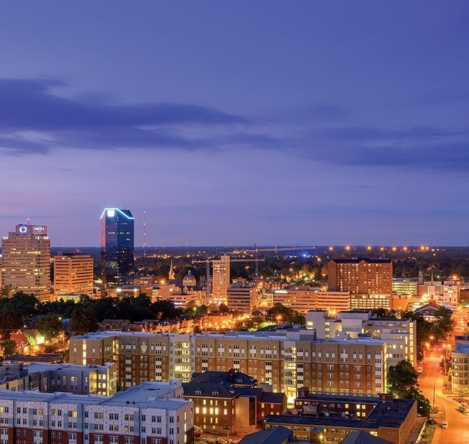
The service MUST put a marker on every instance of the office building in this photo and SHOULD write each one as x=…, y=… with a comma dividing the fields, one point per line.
x=150, y=413
x=305, y=298
x=73, y=274
x=117, y=247
x=220, y=280
x=26, y=260
x=242, y=298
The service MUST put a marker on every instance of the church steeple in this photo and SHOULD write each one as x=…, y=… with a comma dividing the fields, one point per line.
x=172, y=274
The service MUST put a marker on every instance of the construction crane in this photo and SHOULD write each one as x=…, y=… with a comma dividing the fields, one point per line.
x=207, y=263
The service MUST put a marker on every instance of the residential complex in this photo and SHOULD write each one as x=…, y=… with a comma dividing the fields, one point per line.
x=26, y=260
x=117, y=247
x=73, y=274
x=150, y=413
x=284, y=360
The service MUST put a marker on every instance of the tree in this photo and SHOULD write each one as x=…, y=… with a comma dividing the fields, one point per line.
x=9, y=320
x=83, y=321
x=6, y=290
x=402, y=377
x=49, y=326
x=8, y=347
x=402, y=380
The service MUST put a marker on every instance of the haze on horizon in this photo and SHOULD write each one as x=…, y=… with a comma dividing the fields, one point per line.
x=234, y=123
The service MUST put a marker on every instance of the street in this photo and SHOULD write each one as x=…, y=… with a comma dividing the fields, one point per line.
x=431, y=384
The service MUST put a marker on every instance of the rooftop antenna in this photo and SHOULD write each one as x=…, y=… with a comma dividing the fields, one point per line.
x=144, y=232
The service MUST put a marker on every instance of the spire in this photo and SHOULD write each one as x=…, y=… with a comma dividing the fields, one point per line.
x=172, y=275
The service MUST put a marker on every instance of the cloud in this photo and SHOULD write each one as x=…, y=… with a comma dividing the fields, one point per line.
x=34, y=120
x=29, y=106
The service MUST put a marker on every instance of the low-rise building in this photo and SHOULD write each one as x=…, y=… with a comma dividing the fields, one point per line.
x=390, y=420
x=150, y=413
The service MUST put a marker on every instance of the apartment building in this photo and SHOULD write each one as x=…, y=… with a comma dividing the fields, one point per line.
x=400, y=335
x=151, y=413
x=283, y=360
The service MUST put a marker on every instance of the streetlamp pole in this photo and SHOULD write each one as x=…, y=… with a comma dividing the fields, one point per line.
x=434, y=389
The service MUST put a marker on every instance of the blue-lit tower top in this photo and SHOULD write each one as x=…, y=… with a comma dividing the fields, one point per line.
x=117, y=247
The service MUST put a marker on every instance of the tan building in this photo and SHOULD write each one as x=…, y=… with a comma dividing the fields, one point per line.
x=26, y=260
x=305, y=298
x=73, y=273
x=242, y=298
x=285, y=361
x=220, y=280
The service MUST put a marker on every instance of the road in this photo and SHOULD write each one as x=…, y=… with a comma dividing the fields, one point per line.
x=431, y=384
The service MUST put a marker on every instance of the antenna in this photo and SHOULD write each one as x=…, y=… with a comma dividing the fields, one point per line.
x=144, y=232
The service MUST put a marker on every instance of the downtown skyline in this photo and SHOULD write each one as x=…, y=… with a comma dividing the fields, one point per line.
x=235, y=123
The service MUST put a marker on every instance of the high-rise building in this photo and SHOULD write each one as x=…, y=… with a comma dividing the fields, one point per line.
x=117, y=247
x=73, y=273
x=26, y=260
x=221, y=280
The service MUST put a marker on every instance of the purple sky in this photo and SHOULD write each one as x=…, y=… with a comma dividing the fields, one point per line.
x=240, y=122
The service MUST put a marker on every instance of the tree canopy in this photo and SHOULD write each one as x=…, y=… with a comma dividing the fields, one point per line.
x=402, y=383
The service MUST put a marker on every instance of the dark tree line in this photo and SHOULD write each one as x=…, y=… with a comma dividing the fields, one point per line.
x=16, y=312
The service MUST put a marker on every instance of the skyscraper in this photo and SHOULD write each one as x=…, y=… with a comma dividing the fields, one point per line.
x=26, y=260
x=117, y=247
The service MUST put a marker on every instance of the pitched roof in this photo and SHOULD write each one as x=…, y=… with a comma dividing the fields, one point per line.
x=275, y=435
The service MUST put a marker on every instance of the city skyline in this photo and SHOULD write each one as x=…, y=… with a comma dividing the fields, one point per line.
x=237, y=123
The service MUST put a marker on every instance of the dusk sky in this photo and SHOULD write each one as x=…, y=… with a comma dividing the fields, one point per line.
x=237, y=122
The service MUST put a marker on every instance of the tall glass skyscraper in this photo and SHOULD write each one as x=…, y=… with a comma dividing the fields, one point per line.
x=117, y=247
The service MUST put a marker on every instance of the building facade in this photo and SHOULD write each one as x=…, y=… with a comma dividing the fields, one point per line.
x=220, y=279
x=360, y=276
x=150, y=414
x=73, y=274
x=26, y=260
x=283, y=361
x=117, y=247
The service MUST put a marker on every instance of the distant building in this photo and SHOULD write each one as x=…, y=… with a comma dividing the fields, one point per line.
x=360, y=276
x=305, y=298
x=220, y=279
x=117, y=247
x=242, y=298
x=401, y=286
x=73, y=273
x=26, y=260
